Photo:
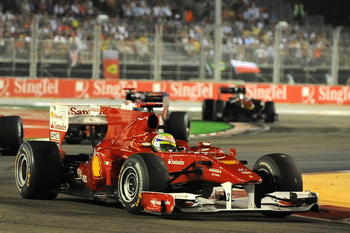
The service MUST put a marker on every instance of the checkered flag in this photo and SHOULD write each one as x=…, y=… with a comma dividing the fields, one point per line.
x=110, y=54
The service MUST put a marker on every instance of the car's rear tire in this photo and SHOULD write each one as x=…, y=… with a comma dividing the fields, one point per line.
x=208, y=108
x=179, y=125
x=219, y=110
x=270, y=112
x=38, y=170
x=11, y=134
x=141, y=172
x=279, y=172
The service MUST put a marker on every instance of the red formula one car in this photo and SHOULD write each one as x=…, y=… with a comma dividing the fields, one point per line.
x=176, y=122
x=238, y=107
x=152, y=172
x=11, y=134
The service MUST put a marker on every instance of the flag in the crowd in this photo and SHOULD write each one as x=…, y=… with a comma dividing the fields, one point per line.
x=111, y=64
x=244, y=67
x=74, y=56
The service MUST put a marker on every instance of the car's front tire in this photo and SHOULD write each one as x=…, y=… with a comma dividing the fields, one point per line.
x=279, y=172
x=141, y=172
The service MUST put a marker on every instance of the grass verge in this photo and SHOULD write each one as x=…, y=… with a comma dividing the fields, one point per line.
x=204, y=127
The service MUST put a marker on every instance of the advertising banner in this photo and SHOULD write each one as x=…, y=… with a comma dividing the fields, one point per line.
x=177, y=90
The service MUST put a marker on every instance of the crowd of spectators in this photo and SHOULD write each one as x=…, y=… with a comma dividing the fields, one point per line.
x=244, y=22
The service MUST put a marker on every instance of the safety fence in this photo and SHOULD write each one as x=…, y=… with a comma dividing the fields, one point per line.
x=302, y=61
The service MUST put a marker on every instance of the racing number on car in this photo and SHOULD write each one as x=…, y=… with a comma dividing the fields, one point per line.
x=228, y=197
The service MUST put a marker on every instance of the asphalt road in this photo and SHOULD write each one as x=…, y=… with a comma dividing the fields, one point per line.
x=319, y=143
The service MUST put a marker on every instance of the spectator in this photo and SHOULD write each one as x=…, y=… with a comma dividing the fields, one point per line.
x=298, y=12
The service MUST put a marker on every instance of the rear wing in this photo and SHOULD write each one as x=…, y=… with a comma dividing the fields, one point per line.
x=232, y=90
x=61, y=117
x=145, y=96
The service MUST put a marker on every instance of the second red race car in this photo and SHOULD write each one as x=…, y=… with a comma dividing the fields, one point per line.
x=150, y=171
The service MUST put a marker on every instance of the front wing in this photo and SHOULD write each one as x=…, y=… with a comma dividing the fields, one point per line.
x=233, y=201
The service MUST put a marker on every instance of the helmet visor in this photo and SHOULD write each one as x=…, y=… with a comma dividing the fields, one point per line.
x=167, y=146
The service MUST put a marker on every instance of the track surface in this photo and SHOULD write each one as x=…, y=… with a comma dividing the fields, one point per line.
x=318, y=143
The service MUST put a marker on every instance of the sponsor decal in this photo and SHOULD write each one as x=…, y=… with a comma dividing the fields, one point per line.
x=85, y=110
x=59, y=118
x=4, y=86
x=96, y=167
x=76, y=111
x=113, y=89
x=308, y=94
x=81, y=89
x=156, y=202
x=215, y=170
x=158, y=87
x=229, y=161
x=269, y=92
x=337, y=95
x=55, y=136
x=244, y=171
x=176, y=162
x=192, y=91
x=267, y=166
x=36, y=87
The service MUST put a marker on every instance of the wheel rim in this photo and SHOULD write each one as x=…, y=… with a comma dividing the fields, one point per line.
x=129, y=184
x=22, y=170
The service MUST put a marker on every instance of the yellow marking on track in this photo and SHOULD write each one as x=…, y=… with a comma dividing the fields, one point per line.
x=332, y=188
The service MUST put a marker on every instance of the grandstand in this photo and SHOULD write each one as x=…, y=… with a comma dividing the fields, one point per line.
x=187, y=28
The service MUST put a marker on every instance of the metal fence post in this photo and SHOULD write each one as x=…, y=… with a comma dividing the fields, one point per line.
x=33, y=49
x=335, y=56
x=218, y=40
x=96, y=56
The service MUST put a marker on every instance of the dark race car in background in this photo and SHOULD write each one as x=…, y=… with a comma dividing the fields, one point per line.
x=237, y=107
x=124, y=168
x=11, y=134
x=176, y=122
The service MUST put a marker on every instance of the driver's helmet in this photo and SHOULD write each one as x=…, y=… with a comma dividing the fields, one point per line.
x=163, y=142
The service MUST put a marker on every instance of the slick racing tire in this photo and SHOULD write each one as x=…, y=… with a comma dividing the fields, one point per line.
x=219, y=110
x=270, y=112
x=208, y=108
x=11, y=134
x=258, y=108
x=179, y=125
x=279, y=172
x=141, y=172
x=38, y=170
